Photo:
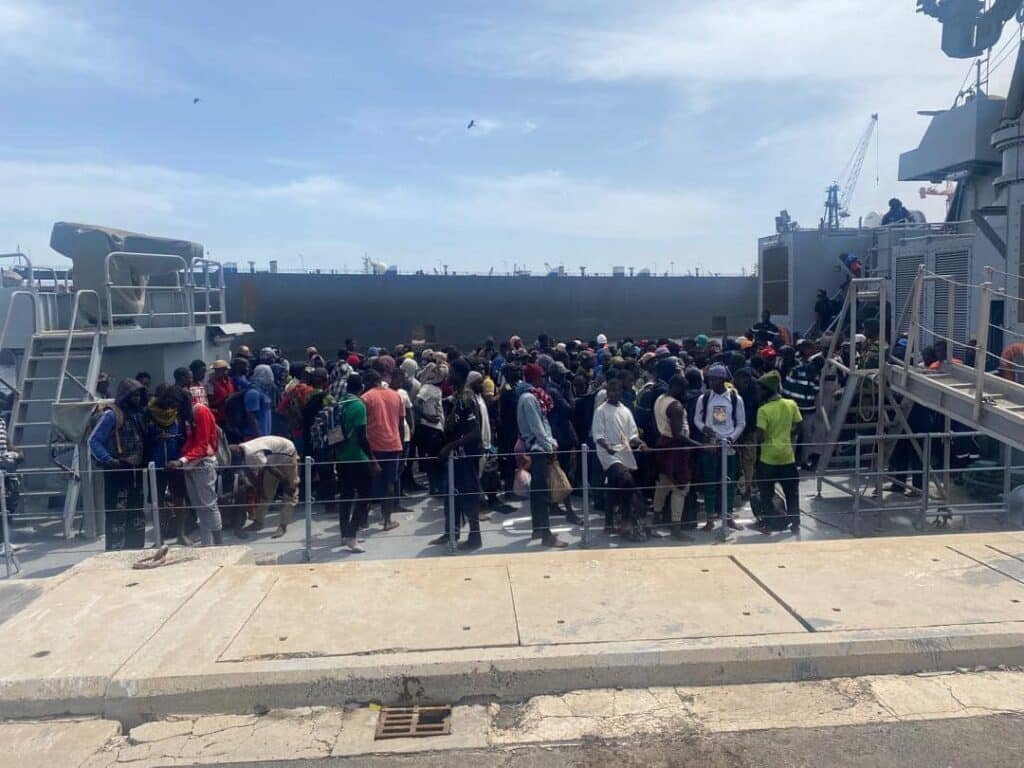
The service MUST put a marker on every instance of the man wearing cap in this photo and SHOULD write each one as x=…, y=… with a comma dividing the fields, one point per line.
x=218, y=389
x=721, y=419
x=778, y=422
x=535, y=432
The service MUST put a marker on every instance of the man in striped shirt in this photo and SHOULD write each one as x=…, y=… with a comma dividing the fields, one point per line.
x=801, y=386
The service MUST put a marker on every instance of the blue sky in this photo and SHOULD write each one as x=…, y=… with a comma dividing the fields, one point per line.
x=646, y=134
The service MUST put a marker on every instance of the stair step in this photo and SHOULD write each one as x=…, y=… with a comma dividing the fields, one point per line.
x=57, y=356
x=21, y=424
x=31, y=400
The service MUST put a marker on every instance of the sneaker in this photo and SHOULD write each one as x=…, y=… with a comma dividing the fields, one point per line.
x=352, y=546
x=794, y=528
x=733, y=524
x=440, y=541
x=503, y=508
x=709, y=526
x=471, y=544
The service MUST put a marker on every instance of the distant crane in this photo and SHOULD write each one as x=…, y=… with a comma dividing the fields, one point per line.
x=947, y=192
x=840, y=194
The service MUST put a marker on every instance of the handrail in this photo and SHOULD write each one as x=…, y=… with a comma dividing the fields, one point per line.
x=10, y=306
x=144, y=288
x=71, y=337
x=207, y=288
x=26, y=262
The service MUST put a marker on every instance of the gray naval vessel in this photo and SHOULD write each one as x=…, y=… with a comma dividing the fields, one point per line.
x=136, y=302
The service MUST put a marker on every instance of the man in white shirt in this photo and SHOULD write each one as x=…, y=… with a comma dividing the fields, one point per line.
x=270, y=462
x=615, y=434
x=720, y=419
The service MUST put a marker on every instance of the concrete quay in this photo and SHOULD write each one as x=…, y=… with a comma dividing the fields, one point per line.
x=213, y=633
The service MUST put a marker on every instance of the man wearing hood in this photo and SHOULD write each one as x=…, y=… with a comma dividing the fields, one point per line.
x=535, y=432
x=118, y=443
x=259, y=402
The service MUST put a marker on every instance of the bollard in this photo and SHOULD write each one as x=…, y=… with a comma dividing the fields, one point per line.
x=585, y=461
x=308, y=477
x=10, y=560
x=453, y=531
x=154, y=504
x=723, y=531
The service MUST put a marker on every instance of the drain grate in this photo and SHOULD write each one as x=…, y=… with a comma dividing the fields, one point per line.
x=413, y=722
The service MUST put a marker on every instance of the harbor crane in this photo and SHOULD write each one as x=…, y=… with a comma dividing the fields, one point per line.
x=839, y=195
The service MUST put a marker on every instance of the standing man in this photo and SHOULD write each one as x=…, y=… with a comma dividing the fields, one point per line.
x=270, y=463
x=778, y=422
x=118, y=444
x=675, y=452
x=199, y=460
x=354, y=457
x=721, y=419
x=464, y=442
x=615, y=433
x=384, y=415
x=535, y=432
x=218, y=389
x=801, y=386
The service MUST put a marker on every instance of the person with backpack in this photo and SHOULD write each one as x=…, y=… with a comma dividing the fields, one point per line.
x=203, y=451
x=165, y=430
x=337, y=441
x=720, y=418
x=118, y=444
x=778, y=423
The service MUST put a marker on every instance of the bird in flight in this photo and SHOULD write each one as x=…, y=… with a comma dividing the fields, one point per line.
x=195, y=100
x=472, y=124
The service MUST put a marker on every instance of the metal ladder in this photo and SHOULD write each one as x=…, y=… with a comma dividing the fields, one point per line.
x=59, y=366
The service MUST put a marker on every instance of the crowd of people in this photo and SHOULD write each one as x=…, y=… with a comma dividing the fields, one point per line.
x=673, y=427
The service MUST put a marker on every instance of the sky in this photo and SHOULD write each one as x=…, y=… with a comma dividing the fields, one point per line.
x=664, y=135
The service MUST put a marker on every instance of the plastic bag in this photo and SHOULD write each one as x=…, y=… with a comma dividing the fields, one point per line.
x=558, y=484
x=521, y=483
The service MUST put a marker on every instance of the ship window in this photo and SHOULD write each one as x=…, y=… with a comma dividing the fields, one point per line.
x=775, y=280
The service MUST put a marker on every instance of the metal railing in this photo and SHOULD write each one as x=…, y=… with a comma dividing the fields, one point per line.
x=309, y=495
x=197, y=293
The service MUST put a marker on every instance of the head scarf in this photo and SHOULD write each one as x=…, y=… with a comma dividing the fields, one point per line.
x=409, y=367
x=263, y=379
x=386, y=364
x=719, y=371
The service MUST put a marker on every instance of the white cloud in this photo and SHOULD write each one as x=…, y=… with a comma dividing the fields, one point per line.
x=43, y=37
x=227, y=214
x=528, y=127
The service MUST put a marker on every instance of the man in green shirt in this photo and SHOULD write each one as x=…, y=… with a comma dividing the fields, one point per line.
x=778, y=422
x=356, y=465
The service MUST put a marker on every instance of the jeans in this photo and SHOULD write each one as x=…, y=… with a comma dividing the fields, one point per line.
x=355, y=481
x=711, y=469
x=125, y=526
x=540, y=499
x=467, y=496
x=788, y=477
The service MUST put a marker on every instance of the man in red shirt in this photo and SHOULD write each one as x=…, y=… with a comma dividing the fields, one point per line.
x=199, y=460
x=384, y=414
x=218, y=389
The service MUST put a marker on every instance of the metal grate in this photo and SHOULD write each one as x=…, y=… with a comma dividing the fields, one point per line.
x=413, y=722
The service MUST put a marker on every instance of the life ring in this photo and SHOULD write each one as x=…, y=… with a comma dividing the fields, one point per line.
x=1012, y=363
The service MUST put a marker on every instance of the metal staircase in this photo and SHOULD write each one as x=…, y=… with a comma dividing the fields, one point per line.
x=59, y=366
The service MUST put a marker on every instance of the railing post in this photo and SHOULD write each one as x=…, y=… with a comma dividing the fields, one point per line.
x=1007, y=478
x=453, y=531
x=154, y=504
x=585, y=475
x=308, y=478
x=856, y=485
x=981, y=352
x=926, y=476
x=10, y=561
x=723, y=531
x=915, y=320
